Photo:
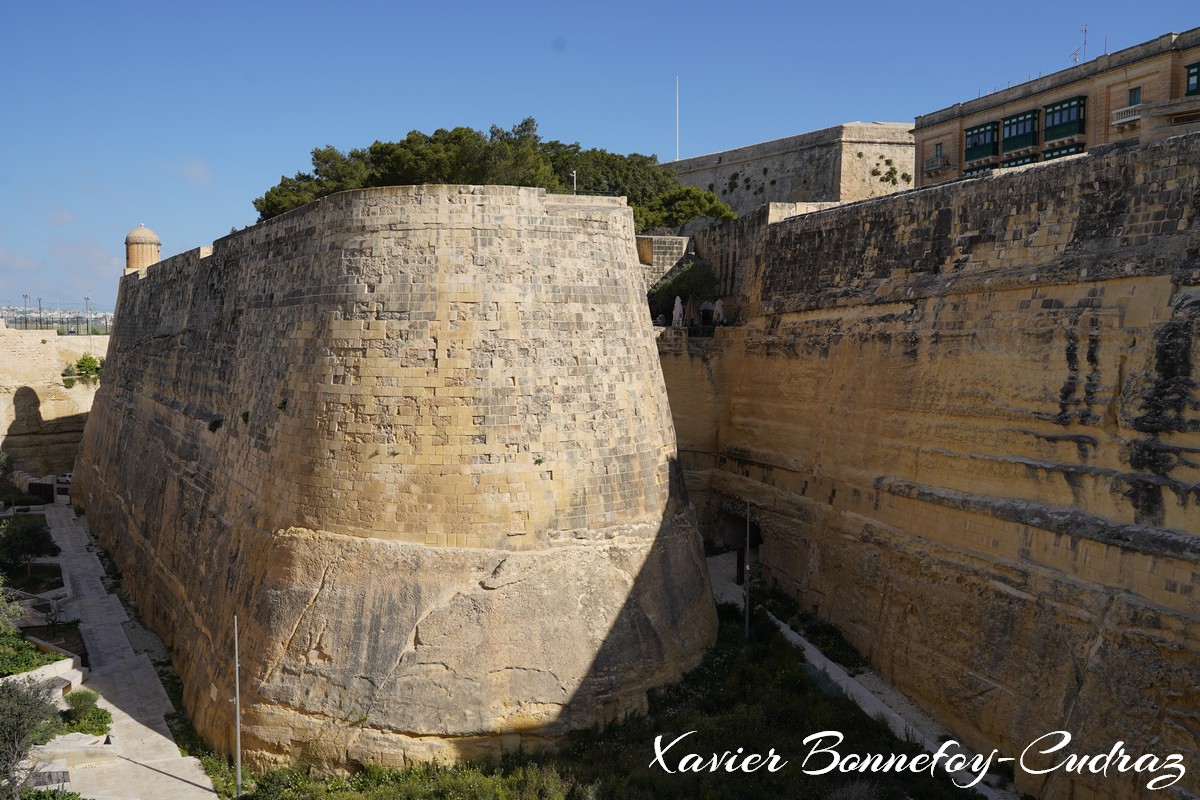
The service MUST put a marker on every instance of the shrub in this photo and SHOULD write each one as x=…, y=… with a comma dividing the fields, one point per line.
x=81, y=702
x=95, y=722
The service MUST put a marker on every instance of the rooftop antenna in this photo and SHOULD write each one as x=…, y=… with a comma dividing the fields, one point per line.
x=676, y=117
x=1084, y=29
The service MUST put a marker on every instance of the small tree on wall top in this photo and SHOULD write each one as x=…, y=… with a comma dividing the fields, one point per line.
x=679, y=206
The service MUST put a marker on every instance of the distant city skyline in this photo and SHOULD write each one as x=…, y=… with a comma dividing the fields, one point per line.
x=179, y=117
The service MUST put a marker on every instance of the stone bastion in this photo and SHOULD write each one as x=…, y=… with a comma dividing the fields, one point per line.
x=417, y=439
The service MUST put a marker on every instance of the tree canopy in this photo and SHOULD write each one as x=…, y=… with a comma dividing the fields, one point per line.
x=514, y=157
x=25, y=538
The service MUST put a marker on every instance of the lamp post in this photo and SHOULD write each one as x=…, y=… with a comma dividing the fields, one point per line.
x=237, y=711
x=25, y=315
x=574, y=183
x=747, y=580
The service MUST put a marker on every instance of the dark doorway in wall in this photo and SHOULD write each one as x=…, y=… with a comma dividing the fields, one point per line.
x=731, y=535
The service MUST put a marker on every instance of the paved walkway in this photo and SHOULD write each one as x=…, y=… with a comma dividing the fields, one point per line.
x=144, y=763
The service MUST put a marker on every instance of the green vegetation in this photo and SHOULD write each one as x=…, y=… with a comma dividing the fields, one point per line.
x=694, y=279
x=10, y=611
x=24, y=538
x=26, y=716
x=514, y=157
x=35, y=578
x=678, y=206
x=17, y=655
x=757, y=696
x=823, y=635
x=87, y=369
x=80, y=702
x=49, y=794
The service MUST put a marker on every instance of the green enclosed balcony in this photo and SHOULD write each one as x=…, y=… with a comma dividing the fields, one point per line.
x=1066, y=118
x=1020, y=132
x=982, y=141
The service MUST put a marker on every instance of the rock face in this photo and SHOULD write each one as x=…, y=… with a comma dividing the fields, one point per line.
x=968, y=420
x=417, y=440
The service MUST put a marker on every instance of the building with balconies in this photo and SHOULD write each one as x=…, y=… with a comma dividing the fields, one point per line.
x=1146, y=92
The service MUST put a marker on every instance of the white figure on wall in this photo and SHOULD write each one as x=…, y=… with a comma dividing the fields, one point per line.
x=677, y=314
x=718, y=313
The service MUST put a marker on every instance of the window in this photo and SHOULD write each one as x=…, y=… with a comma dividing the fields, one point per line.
x=937, y=151
x=1065, y=118
x=1020, y=131
x=982, y=141
x=1059, y=152
x=1135, y=96
x=1193, y=79
x=1016, y=162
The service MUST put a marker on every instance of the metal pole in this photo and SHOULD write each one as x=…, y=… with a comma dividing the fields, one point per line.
x=676, y=117
x=237, y=706
x=747, y=581
x=26, y=317
x=574, y=183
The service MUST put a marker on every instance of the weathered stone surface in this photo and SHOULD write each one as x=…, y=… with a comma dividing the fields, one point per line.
x=41, y=419
x=853, y=161
x=417, y=440
x=967, y=417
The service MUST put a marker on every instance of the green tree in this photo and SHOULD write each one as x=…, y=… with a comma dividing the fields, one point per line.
x=26, y=712
x=517, y=158
x=694, y=279
x=333, y=171
x=25, y=538
x=679, y=206
x=635, y=176
x=461, y=155
x=514, y=157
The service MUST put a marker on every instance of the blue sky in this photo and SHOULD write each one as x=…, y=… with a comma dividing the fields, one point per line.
x=179, y=115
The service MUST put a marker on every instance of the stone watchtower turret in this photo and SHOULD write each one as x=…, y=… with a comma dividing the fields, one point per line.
x=142, y=248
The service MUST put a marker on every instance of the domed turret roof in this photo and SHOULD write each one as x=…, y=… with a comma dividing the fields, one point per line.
x=142, y=235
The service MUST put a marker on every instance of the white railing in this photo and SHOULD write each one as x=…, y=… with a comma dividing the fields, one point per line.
x=1127, y=115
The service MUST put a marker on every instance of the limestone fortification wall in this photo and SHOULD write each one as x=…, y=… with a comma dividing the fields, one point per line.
x=967, y=418
x=41, y=419
x=830, y=165
x=417, y=439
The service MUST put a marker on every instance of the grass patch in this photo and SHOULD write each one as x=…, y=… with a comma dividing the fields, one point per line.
x=823, y=635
